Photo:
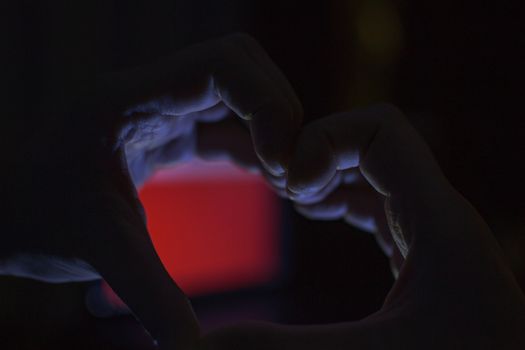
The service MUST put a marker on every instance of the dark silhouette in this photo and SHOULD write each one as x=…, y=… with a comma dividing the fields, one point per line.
x=88, y=131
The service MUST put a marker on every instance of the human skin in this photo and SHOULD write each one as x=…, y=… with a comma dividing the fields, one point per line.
x=77, y=212
x=77, y=215
x=454, y=290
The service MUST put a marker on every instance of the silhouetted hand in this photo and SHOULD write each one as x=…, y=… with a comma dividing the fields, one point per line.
x=78, y=215
x=453, y=291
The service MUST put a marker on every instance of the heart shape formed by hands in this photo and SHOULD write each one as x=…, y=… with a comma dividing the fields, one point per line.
x=452, y=285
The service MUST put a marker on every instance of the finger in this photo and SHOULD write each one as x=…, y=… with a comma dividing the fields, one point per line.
x=310, y=198
x=377, y=140
x=397, y=163
x=353, y=176
x=226, y=139
x=277, y=182
x=229, y=140
x=396, y=262
x=126, y=259
x=382, y=233
x=438, y=233
x=360, y=206
x=114, y=240
x=213, y=114
x=199, y=78
x=256, y=52
x=355, y=204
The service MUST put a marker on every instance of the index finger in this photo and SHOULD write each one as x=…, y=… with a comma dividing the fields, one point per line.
x=112, y=237
x=202, y=76
x=377, y=140
x=390, y=155
x=420, y=203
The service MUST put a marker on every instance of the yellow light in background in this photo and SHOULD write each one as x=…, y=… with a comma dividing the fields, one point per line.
x=374, y=32
x=379, y=30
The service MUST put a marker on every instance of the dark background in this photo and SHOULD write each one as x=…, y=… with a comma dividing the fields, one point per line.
x=454, y=67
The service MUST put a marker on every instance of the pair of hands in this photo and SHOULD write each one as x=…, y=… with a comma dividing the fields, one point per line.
x=368, y=166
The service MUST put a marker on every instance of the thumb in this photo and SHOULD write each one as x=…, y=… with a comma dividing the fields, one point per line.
x=114, y=240
x=394, y=159
x=453, y=267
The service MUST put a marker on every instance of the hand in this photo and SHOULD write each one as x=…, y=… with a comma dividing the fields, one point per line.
x=453, y=291
x=351, y=198
x=82, y=214
x=257, y=93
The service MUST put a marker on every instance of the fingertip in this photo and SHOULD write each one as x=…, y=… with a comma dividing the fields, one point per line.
x=309, y=176
x=274, y=130
x=295, y=190
x=310, y=179
x=312, y=164
x=274, y=155
x=272, y=164
x=246, y=116
x=321, y=211
x=271, y=154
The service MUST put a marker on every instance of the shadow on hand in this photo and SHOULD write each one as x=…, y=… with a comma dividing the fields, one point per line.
x=35, y=315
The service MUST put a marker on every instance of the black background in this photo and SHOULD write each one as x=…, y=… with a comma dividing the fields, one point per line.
x=457, y=75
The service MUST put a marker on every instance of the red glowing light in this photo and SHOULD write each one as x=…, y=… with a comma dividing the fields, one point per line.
x=215, y=227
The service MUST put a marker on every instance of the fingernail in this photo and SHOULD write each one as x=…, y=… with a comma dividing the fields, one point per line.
x=274, y=168
x=300, y=191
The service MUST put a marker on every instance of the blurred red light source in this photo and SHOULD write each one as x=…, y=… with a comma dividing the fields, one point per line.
x=215, y=226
